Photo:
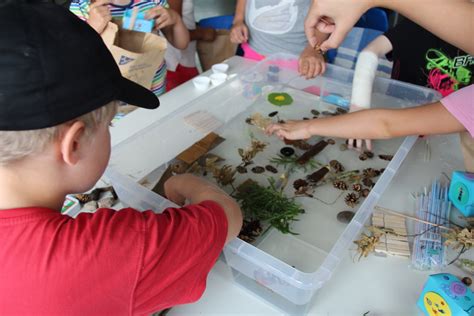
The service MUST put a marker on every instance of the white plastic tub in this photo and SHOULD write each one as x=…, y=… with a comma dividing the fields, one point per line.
x=285, y=270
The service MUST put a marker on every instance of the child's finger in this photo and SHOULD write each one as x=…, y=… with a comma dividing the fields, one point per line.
x=310, y=28
x=323, y=68
x=359, y=144
x=350, y=143
x=161, y=21
x=368, y=144
x=245, y=32
x=311, y=69
x=241, y=35
x=317, y=69
x=301, y=62
x=304, y=68
x=271, y=129
x=154, y=13
x=281, y=134
x=336, y=37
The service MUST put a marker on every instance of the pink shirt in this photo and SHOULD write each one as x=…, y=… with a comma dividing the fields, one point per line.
x=461, y=105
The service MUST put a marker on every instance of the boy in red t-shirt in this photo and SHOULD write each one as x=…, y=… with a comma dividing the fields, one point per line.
x=58, y=86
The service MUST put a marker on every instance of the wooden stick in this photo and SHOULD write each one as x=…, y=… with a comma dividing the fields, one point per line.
x=386, y=210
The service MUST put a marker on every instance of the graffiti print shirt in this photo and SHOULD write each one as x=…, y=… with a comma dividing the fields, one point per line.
x=422, y=58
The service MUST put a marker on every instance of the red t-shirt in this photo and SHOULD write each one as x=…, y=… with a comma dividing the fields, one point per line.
x=106, y=263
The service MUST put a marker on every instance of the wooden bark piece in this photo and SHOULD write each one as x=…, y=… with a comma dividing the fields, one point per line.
x=188, y=157
x=200, y=148
x=313, y=151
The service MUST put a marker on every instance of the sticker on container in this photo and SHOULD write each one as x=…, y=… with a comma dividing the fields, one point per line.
x=203, y=121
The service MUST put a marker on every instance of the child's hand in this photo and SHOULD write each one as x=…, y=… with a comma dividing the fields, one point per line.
x=206, y=34
x=172, y=192
x=99, y=15
x=186, y=186
x=163, y=17
x=290, y=130
x=239, y=33
x=357, y=144
x=311, y=63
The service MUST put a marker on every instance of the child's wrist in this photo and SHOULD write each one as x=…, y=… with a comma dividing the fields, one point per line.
x=309, y=128
x=238, y=20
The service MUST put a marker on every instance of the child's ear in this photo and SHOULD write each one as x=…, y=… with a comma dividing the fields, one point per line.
x=70, y=143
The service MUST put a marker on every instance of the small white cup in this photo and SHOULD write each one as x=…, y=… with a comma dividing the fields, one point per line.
x=220, y=68
x=218, y=79
x=201, y=82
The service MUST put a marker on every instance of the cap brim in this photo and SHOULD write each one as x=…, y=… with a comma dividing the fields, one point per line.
x=134, y=94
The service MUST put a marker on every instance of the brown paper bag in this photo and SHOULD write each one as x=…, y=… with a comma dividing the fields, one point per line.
x=214, y=52
x=137, y=54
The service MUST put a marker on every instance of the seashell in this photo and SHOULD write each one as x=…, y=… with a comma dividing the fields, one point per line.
x=258, y=169
x=271, y=169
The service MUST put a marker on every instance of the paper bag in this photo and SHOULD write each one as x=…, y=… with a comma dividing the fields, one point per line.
x=137, y=54
x=214, y=52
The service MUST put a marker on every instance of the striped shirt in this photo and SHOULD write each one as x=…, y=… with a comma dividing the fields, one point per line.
x=81, y=9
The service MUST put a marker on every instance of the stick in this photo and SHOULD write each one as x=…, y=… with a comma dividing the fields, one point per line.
x=386, y=210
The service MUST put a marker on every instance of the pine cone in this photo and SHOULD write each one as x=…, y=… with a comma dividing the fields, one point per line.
x=369, y=154
x=341, y=185
x=300, y=183
x=336, y=166
x=370, y=173
x=386, y=157
x=368, y=182
x=365, y=192
x=357, y=187
x=351, y=199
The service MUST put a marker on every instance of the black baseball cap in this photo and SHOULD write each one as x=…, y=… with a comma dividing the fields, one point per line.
x=54, y=67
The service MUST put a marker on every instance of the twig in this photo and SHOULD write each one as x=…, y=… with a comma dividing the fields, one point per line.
x=463, y=250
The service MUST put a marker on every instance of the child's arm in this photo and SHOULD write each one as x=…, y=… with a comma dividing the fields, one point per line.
x=374, y=124
x=200, y=33
x=188, y=187
x=449, y=20
x=364, y=75
x=169, y=22
x=239, y=32
x=365, y=71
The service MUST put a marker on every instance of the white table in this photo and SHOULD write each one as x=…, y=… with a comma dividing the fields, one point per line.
x=383, y=286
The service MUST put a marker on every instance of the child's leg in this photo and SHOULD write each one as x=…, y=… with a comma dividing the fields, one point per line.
x=180, y=76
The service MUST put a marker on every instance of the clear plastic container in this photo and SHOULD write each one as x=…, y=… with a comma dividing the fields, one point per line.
x=71, y=206
x=286, y=270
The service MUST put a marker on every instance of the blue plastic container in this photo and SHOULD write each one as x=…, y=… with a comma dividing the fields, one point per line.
x=374, y=18
x=223, y=22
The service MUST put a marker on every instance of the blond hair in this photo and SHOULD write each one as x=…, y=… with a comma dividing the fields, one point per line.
x=15, y=145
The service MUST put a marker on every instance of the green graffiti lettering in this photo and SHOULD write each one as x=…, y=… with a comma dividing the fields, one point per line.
x=452, y=67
